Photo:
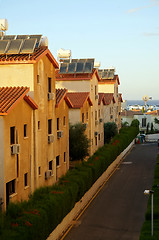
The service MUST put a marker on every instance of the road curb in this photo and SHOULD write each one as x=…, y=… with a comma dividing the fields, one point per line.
x=69, y=220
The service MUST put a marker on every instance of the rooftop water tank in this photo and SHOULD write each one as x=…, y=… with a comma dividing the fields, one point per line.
x=3, y=24
x=62, y=53
x=44, y=41
x=97, y=64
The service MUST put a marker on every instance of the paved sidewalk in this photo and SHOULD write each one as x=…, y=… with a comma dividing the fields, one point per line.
x=117, y=213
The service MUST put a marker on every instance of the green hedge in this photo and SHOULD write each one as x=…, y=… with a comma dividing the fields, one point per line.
x=146, y=228
x=36, y=218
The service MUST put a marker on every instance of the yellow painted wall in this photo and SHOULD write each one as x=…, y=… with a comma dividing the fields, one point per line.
x=20, y=115
x=22, y=72
x=62, y=144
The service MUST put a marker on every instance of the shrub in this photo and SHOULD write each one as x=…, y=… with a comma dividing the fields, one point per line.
x=47, y=206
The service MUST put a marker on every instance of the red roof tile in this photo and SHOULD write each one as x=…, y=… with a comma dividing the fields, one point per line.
x=60, y=95
x=130, y=113
x=120, y=97
x=155, y=112
x=78, y=99
x=28, y=58
x=101, y=98
x=108, y=98
x=10, y=96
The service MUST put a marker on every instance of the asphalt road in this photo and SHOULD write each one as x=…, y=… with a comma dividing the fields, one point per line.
x=117, y=213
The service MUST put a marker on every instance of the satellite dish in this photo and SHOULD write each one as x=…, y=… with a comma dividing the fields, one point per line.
x=145, y=98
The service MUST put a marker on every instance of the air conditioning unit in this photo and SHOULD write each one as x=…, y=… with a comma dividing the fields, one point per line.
x=96, y=96
x=95, y=134
x=59, y=134
x=48, y=174
x=50, y=138
x=100, y=120
x=15, y=149
x=51, y=96
x=96, y=122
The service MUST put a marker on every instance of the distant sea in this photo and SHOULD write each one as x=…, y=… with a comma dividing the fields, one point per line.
x=141, y=102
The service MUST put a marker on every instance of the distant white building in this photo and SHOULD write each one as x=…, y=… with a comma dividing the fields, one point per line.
x=144, y=119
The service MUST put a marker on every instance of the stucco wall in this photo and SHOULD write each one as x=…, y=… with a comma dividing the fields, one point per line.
x=74, y=86
x=62, y=144
x=16, y=75
x=2, y=194
x=24, y=113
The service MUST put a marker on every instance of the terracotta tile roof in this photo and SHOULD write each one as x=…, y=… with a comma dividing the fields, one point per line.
x=10, y=96
x=120, y=97
x=155, y=112
x=101, y=98
x=60, y=95
x=77, y=76
x=28, y=58
x=78, y=99
x=129, y=113
x=108, y=98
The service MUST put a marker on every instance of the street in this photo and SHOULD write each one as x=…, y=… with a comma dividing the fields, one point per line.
x=117, y=213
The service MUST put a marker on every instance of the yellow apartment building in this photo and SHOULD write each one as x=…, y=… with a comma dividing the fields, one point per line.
x=80, y=111
x=33, y=65
x=80, y=76
x=101, y=105
x=62, y=133
x=109, y=83
x=109, y=113
x=17, y=111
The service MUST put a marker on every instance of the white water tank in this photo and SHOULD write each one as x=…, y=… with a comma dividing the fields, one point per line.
x=97, y=64
x=3, y=24
x=62, y=53
x=44, y=41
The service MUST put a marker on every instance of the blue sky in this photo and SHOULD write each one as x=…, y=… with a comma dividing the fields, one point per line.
x=119, y=33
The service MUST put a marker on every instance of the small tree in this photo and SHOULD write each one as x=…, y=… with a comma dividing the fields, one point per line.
x=110, y=130
x=152, y=128
x=135, y=123
x=147, y=128
x=78, y=142
x=156, y=121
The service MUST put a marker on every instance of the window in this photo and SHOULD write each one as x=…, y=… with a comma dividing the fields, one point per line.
x=64, y=157
x=12, y=135
x=49, y=126
x=50, y=165
x=57, y=160
x=64, y=121
x=11, y=187
x=25, y=130
x=38, y=79
x=99, y=137
x=96, y=141
x=58, y=123
x=87, y=115
x=95, y=90
x=17, y=165
x=25, y=179
x=38, y=125
x=82, y=117
x=49, y=85
x=95, y=115
x=143, y=122
x=39, y=170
